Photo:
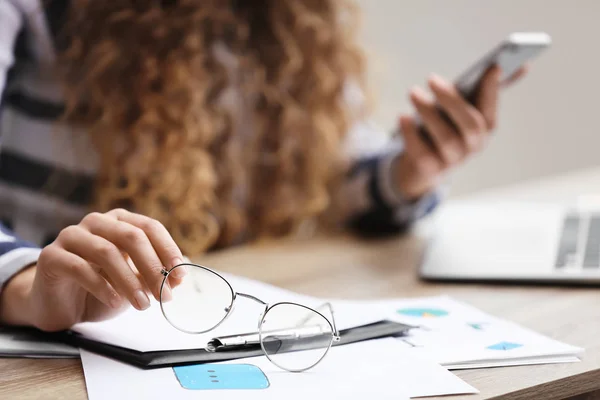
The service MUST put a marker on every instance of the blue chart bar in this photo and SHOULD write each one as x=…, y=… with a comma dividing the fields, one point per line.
x=423, y=312
x=477, y=326
x=504, y=346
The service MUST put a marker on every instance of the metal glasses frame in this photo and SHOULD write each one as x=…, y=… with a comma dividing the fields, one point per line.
x=335, y=336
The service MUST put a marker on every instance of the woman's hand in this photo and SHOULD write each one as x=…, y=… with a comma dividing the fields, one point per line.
x=92, y=271
x=422, y=164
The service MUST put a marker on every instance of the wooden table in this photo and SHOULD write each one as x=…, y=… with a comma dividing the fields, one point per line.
x=345, y=267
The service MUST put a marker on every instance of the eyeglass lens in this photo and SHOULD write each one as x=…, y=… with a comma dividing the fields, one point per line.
x=200, y=302
x=288, y=328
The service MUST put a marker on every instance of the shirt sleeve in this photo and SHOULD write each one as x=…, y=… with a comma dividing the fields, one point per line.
x=373, y=204
x=11, y=23
x=15, y=254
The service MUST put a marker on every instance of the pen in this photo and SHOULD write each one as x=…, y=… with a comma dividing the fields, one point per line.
x=307, y=337
x=281, y=335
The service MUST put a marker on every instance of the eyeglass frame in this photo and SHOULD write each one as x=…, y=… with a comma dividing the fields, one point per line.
x=335, y=335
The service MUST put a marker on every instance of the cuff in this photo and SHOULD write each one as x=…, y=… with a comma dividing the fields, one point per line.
x=405, y=210
x=14, y=261
x=386, y=179
x=417, y=209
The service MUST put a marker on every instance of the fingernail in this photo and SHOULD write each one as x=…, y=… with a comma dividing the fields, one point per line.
x=114, y=300
x=437, y=80
x=166, y=294
x=179, y=272
x=453, y=154
x=142, y=299
x=472, y=141
x=418, y=93
x=497, y=74
x=176, y=261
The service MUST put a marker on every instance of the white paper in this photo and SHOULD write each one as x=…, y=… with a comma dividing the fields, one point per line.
x=379, y=369
x=456, y=334
x=512, y=363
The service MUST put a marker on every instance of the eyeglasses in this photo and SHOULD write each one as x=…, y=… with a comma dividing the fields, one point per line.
x=205, y=299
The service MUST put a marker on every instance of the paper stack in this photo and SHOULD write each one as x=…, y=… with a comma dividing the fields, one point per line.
x=447, y=335
x=383, y=368
x=459, y=336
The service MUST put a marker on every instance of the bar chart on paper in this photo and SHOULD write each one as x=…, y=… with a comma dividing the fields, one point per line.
x=423, y=312
x=504, y=346
x=460, y=336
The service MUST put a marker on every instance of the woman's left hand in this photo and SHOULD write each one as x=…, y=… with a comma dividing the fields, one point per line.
x=422, y=164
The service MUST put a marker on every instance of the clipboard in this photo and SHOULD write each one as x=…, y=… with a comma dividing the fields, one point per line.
x=170, y=358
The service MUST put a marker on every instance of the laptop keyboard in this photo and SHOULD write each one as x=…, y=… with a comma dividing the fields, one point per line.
x=579, y=242
x=591, y=258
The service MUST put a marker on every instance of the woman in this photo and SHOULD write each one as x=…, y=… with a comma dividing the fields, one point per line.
x=187, y=125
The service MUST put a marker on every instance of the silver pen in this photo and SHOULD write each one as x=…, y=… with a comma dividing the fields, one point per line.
x=247, y=339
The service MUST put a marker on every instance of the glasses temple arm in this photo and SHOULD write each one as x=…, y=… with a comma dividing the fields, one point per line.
x=335, y=330
x=328, y=305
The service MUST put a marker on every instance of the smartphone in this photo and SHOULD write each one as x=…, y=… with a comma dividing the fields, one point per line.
x=510, y=54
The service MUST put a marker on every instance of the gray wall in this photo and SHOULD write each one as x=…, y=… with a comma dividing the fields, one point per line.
x=548, y=123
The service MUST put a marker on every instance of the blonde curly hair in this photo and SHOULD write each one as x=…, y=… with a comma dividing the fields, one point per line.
x=143, y=78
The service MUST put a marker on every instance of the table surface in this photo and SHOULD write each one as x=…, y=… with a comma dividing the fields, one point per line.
x=346, y=267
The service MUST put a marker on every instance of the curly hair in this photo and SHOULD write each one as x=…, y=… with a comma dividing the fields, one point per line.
x=145, y=80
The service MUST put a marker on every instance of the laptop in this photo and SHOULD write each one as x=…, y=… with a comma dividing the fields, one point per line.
x=514, y=242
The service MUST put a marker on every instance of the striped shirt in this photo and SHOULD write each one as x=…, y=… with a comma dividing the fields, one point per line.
x=36, y=158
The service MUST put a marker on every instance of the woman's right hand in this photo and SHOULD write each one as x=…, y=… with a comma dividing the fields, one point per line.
x=93, y=270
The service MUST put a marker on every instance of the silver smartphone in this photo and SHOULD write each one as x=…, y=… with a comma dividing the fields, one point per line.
x=510, y=54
